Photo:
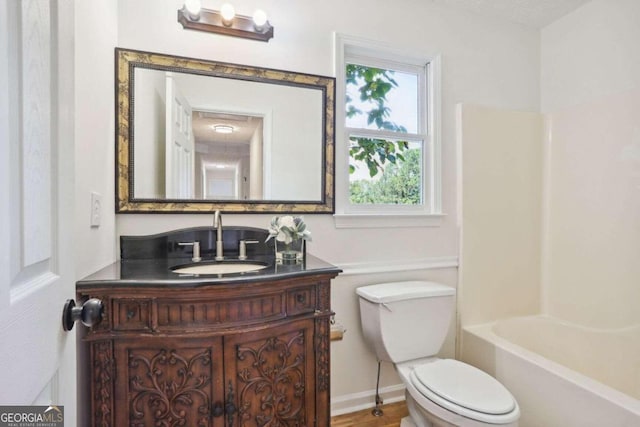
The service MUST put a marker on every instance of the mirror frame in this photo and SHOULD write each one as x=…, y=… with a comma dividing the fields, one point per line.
x=126, y=61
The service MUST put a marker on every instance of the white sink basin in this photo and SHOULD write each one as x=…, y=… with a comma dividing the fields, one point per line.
x=220, y=268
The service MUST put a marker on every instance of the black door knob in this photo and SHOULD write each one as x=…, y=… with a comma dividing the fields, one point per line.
x=90, y=313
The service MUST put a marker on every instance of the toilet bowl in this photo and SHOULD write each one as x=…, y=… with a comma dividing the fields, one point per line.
x=447, y=392
x=439, y=392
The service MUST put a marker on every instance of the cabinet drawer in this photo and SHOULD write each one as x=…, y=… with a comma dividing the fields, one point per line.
x=209, y=313
x=301, y=300
x=132, y=315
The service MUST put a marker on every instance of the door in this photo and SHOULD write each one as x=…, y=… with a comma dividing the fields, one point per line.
x=36, y=204
x=169, y=382
x=180, y=159
x=269, y=376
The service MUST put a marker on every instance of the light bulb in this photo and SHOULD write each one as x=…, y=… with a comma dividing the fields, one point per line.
x=193, y=8
x=259, y=19
x=228, y=13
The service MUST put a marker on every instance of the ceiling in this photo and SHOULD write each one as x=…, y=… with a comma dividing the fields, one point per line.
x=533, y=13
x=203, y=123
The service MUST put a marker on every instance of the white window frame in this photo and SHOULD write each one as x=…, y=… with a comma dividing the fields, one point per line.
x=350, y=49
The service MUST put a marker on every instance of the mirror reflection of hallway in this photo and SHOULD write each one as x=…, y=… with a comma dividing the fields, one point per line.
x=188, y=125
x=229, y=156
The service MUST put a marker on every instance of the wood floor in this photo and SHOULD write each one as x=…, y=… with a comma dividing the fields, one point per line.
x=393, y=413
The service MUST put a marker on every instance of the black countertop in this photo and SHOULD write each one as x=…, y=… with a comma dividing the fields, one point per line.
x=157, y=272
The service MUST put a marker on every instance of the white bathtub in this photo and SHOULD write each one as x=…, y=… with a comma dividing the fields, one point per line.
x=562, y=375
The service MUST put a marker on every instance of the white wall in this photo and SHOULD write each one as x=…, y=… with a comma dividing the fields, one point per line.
x=591, y=95
x=484, y=61
x=256, y=164
x=150, y=134
x=96, y=26
x=590, y=54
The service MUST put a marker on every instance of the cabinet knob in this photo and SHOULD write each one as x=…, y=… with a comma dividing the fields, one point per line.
x=230, y=408
x=217, y=410
x=131, y=313
x=301, y=298
x=90, y=313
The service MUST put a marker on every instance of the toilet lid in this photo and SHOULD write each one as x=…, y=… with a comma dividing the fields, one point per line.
x=465, y=386
x=384, y=293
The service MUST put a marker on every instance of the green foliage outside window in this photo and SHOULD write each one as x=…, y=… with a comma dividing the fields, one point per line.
x=400, y=183
x=394, y=166
x=375, y=85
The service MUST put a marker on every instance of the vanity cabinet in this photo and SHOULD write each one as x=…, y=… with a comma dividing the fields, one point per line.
x=217, y=354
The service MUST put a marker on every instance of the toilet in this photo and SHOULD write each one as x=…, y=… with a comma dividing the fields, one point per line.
x=406, y=323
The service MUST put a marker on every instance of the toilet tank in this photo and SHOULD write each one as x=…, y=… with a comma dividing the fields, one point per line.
x=403, y=321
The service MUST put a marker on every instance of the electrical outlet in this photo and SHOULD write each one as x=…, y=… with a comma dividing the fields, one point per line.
x=96, y=209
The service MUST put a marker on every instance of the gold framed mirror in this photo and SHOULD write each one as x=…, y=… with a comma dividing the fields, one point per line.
x=197, y=136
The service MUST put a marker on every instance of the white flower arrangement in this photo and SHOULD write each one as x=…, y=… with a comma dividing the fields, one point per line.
x=287, y=229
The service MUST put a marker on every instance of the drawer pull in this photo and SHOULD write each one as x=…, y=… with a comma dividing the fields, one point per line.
x=301, y=298
x=230, y=407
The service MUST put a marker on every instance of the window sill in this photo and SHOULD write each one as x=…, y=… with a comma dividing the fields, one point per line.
x=387, y=220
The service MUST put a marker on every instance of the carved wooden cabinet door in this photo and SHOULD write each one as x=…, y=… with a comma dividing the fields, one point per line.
x=269, y=375
x=169, y=382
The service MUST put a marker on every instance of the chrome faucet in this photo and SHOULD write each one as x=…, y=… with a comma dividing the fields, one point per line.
x=242, y=249
x=196, y=250
x=217, y=224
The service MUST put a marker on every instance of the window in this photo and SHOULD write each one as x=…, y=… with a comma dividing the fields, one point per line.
x=385, y=131
x=389, y=146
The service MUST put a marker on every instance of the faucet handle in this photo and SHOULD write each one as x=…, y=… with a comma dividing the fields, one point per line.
x=243, y=248
x=196, y=250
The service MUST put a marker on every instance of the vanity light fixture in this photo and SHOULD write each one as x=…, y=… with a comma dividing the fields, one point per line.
x=193, y=17
x=228, y=13
x=260, y=20
x=193, y=8
x=223, y=129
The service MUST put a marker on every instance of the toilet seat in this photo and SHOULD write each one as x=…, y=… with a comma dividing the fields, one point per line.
x=465, y=390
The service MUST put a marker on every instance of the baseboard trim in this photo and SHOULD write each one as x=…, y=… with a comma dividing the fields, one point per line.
x=355, y=402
